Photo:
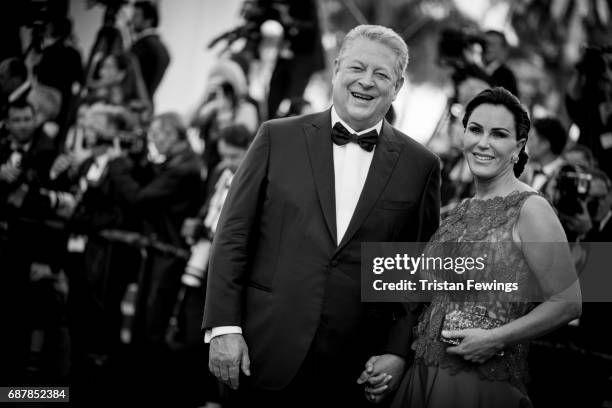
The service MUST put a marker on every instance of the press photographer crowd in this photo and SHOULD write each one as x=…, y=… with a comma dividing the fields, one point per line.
x=109, y=207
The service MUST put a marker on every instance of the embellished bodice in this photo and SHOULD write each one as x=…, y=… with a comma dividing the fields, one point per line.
x=480, y=228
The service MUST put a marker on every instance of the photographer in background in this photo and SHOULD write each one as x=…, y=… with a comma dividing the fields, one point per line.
x=60, y=66
x=301, y=53
x=98, y=270
x=479, y=55
x=495, y=56
x=152, y=54
x=589, y=103
x=26, y=155
x=224, y=103
x=164, y=195
x=545, y=145
x=568, y=191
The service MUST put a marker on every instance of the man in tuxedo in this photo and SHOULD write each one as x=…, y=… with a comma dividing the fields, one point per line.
x=283, y=298
x=26, y=155
x=545, y=145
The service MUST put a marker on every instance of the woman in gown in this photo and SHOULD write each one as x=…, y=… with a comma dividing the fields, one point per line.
x=488, y=367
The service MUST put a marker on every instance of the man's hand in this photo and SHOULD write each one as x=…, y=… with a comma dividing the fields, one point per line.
x=9, y=173
x=228, y=355
x=61, y=164
x=381, y=376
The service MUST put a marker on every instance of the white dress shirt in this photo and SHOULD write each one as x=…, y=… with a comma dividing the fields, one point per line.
x=351, y=166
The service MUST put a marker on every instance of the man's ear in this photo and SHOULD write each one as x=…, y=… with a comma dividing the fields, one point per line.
x=336, y=67
x=398, y=86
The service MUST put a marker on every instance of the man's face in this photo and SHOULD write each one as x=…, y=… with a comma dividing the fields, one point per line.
x=162, y=137
x=537, y=146
x=365, y=83
x=495, y=49
x=138, y=21
x=21, y=124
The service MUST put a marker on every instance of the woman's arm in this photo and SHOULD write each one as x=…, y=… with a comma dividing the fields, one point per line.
x=545, y=248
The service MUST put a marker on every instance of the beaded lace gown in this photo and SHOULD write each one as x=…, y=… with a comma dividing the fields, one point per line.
x=438, y=379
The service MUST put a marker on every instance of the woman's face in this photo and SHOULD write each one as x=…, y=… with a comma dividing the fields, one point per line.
x=489, y=141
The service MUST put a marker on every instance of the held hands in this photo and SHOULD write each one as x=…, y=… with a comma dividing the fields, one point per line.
x=381, y=376
x=477, y=345
x=228, y=355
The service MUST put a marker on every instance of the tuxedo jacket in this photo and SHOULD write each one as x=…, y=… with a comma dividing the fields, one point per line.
x=153, y=58
x=275, y=268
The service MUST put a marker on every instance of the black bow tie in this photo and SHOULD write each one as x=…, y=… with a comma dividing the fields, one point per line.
x=341, y=136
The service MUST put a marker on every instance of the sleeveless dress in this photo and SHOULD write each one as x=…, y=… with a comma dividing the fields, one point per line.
x=438, y=379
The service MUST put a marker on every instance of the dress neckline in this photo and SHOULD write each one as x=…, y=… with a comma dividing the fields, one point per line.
x=512, y=194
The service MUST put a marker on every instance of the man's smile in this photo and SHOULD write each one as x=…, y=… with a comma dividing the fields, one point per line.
x=362, y=96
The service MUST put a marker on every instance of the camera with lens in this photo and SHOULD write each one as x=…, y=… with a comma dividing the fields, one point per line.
x=572, y=186
x=254, y=13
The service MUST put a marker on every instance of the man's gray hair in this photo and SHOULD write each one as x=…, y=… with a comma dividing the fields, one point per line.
x=382, y=35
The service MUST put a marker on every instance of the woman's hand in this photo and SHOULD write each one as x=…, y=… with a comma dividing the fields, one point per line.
x=477, y=345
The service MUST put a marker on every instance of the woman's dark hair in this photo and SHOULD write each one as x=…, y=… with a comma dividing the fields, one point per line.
x=500, y=96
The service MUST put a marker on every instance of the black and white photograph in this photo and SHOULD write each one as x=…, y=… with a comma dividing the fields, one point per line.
x=306, y=203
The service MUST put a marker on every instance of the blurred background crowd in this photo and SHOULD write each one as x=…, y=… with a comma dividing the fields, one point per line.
x=115, y=160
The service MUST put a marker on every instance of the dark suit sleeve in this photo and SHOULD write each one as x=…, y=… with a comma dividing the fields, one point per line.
x=161, y=190
x=236, y=236
x=429, y=210
x=400, y=335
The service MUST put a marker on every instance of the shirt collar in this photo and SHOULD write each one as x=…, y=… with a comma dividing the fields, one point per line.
x=551, y=167
x=17, y=92
x=335, y=119
x=492, y=66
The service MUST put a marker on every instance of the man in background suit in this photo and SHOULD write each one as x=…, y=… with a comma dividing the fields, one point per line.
x=283, y=298
x=151, y=53
x=495, y=55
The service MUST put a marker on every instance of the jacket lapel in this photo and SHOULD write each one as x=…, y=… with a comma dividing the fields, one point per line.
x=320, y=153
x=385, y=158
